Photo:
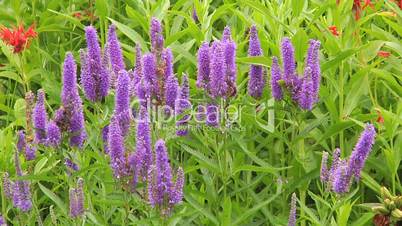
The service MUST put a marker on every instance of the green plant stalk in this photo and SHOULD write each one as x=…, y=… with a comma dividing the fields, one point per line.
x=341, y=81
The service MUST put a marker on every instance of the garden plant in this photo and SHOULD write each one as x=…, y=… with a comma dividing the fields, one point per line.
x=201, y=112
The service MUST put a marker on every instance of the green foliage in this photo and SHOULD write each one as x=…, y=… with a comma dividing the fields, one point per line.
x=243, y=177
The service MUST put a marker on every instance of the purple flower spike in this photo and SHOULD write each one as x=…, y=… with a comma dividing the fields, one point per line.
x=73, y=203
x=71, y=166
x=53, y=134
x=94, y=72
x=218, y=83
x=227, y=34
x=305, y=97
x=313, y=61
x=21, y=192
x=212, y=115
x=71, y=117
x=76, y=196
x=171, y=92
x=168, y=57
x=288, y=59
x=143, y=144
x=183, y=104
x=2, y=221
x=256, y=80
x=292, y=213
x=177, y=193
x=195, y=16
x=30, y=152
x=21, y=142
x=114, y=50
x=231, y=70
x=122, y=102
x=144, y=92
x=163, y=172
x=336, y=157
x=152, y=186
x=39, y=117
x=342, y=178
x=203, y=66
x=156, y=35
x=149, y=72
x=7, y=185
x=361, y=151
x=324, y=168
x=116, y=148
x=276, y=76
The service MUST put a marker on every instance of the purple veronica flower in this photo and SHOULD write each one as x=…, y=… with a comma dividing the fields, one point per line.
x=201, y=113
x=306, y=95
x=342, y=178
x=256, y=80
x=21, y=192
x=218, y=83
x=72, y=104
x=71, y=166
x=276, y=76
x=152, y=186
x=143, y=144
x=7, y=185
x=116, y=148
x=324, y=168
x=156, y=35
x=53, y=134
x=203, y=66
x=76, y=196
x=171, y=91
x=292, y=213
x=168, y=58
x=163, y=172
x=114, y=51
x=212, y=115
x=177, y=193
x=361, y=151
x=227, y=34
x=30, y=152
x=122, y=102
x=313, y=61
x=2, y=221
x=94, y=73
x=288, y=59
x=149, y=72
x=137, y=73
x=21, y=142
x=183, y=104
x=336, y=157
x=143, y=92
x=39, y=117
x=231, y=70
x=195, y=16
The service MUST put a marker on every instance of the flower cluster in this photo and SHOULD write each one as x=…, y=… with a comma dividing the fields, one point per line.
x=163, y=192
x=292, y=212
x=217, y=67
x=340, y=175
x=303, y=90
x=17, y=190
x=70, y=117
x=18, y=37
x=94, y=67
x=77, y=199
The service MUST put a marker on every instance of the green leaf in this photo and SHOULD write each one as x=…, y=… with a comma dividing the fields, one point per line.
x=54, y=198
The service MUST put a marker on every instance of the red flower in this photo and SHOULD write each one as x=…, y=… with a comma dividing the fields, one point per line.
x=383, y=54
x=357, y=7
x=380, y=118
x=333, y=30
x=17, y=37
x=77, y=15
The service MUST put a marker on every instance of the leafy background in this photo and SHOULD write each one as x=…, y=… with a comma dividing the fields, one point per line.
x=243, y=177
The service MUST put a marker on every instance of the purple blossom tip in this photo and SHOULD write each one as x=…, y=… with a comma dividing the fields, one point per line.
x=203, y=65
x=288, y=59
x=39, y=117
x=292, y=212
x=114, y=50
x=324, y=168
x=276, y=76
x=21, y=142
x=53, y=134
